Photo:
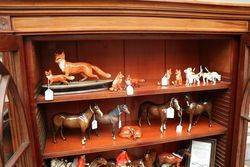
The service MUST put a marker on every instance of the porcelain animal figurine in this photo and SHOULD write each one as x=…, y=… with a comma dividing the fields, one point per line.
x=98, y=162
x=173, y=158
x=166, y=78
x=135, y=82
x=210, y=76
x=58, y=78
x=150, y=158
x=112, y=117
x=196, y=109
x=130, y=132
x=117, y=83
x=83, y=68
x=60, y=163
x=75, y=121
x=159, y=110
x=122, y=160
x=178, y=78
x=191, y=77
x=81, y=161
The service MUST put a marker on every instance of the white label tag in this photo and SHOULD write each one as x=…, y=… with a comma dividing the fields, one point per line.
x=164, y=81
x=170, y=112
x=94, y=124
x=120, y=124
x=130, y=90
x=178, y=128
x=49, y=94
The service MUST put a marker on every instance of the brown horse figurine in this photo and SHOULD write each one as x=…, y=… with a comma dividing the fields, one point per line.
x=173, y=158
x=75, y=121
x=159, y=110
x=112, y=118
x=194, y=108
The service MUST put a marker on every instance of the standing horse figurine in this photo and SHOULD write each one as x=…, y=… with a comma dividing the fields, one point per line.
x=99, y=161
x=113, y=117
x=159, y=110
x=194, y=108
x=75, y=121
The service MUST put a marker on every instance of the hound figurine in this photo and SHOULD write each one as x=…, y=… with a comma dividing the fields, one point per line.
x=191, y=77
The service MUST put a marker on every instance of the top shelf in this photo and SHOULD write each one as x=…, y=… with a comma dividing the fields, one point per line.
x=148, y=88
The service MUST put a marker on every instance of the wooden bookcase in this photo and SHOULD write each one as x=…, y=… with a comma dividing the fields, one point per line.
x=140, y=38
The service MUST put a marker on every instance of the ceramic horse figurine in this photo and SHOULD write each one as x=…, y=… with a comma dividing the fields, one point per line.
x=75, y=121
x=159, y=110
x=112, y=117
x=173, y=158
x=98, y=162
x=194, y=108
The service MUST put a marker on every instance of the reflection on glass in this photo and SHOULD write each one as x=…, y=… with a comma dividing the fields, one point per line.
x=1, y=56
x=7, y=139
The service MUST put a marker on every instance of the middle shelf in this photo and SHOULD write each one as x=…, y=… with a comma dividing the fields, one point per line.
x=150, y=136
x=149, y=88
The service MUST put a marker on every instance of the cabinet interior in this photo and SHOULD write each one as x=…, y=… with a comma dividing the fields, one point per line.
x=140, y=57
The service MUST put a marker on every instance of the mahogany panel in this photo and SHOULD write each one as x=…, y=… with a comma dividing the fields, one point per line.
x=145, y=58
x=104, y=142
x=106, y=54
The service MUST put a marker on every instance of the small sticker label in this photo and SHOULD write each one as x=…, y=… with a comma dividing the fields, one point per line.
x=178, y=129
x=130, y=90
x=49, y=94
x=170, y=112
x=94, y=124
x=120, y=124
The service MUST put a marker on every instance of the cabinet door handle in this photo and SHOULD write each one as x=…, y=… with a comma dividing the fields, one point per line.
x=244, y=103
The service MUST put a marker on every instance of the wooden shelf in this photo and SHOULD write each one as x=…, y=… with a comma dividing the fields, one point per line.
x=104, y=142
x=149, y=88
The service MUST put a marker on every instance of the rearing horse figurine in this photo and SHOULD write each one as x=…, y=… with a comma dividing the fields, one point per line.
x=112, y=118
x=81, y=121
x=159, y=110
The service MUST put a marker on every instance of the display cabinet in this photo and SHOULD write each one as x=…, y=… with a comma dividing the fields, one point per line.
x=138, y=38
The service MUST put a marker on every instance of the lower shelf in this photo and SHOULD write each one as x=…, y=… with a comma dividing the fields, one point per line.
x=150, y=136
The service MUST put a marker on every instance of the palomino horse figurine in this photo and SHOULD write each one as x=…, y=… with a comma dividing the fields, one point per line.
x=159, y=110
x=75, y=121
x=194, y=108
x=113, y=117
x=98, y=162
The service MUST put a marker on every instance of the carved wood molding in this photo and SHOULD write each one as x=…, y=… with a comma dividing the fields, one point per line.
x=5, y=23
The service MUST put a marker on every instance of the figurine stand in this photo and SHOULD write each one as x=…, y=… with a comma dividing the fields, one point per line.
x=79, y=87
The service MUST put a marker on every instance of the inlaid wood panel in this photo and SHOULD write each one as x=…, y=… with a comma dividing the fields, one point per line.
x=124, y=23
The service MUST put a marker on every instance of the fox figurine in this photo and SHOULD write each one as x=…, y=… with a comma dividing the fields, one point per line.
x=85, y=69
x=58, y=78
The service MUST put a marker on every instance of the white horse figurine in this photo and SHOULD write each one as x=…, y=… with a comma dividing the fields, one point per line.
x=60, y=163
x=210, y=76
x=191, y=77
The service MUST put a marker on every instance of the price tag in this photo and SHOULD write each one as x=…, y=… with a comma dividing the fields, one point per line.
x=120, y=124
x=178, y=129
x=164, y=81
x=170, y=112
x=49, y=94
x=94, y=124
x=130, y=90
